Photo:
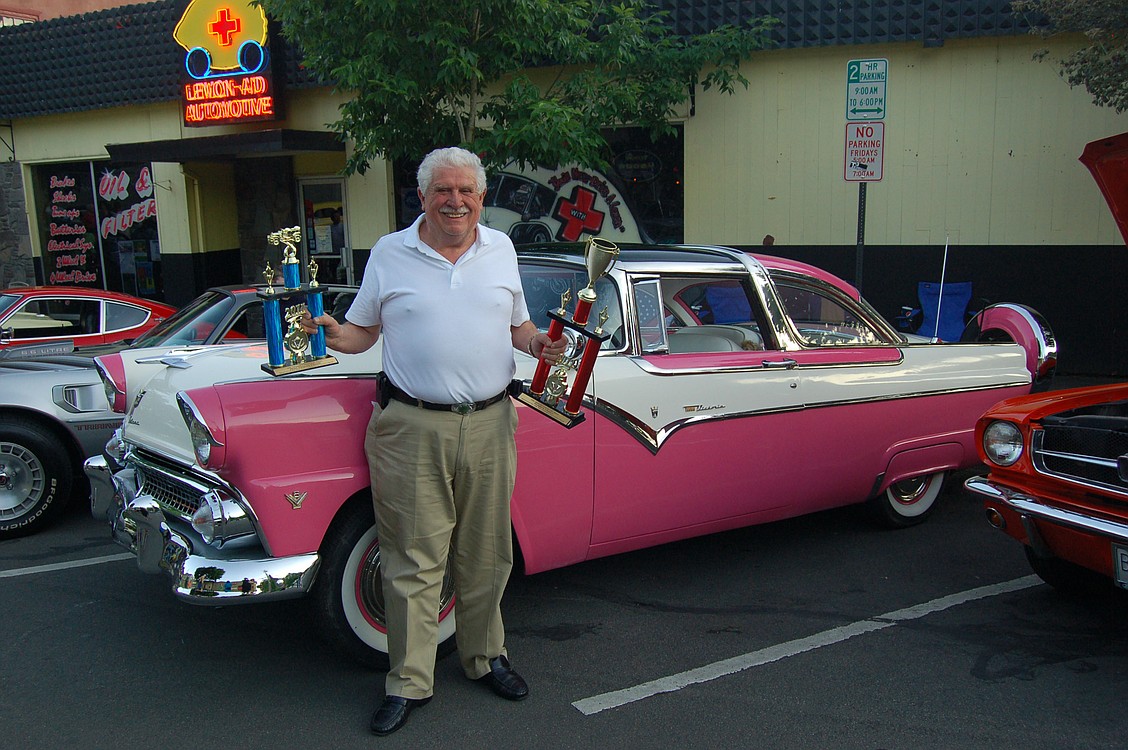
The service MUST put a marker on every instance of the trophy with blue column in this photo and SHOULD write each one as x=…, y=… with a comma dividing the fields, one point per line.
x=289, y=347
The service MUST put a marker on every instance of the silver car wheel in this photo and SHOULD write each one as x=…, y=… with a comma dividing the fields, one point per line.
x=22, y=480
x=35, y=477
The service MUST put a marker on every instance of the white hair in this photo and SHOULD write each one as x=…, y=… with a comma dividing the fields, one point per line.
x=456, y=157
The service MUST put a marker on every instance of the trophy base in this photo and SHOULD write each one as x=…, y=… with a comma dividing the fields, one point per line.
x=560, y=417
x=309, y=364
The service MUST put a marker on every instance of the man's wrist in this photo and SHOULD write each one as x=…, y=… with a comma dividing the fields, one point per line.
x=529, y=347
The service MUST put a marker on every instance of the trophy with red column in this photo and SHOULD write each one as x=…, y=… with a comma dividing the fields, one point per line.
x=548, y=393
x=289, y=348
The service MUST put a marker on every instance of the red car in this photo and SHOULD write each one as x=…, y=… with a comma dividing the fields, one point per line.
x=1059, y=481
x=1058, y=461
x=45, y=314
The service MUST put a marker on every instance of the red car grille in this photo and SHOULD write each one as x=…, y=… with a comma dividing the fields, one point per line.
x=1084, y=451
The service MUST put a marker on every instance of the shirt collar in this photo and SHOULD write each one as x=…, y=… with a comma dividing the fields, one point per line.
x=412, y=239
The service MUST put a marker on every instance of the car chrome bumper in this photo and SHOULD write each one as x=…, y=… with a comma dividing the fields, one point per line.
x=200, y=574
x=1030, y=508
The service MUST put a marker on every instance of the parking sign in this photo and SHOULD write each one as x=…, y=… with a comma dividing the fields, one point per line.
x=865, y=89
x=865, y=151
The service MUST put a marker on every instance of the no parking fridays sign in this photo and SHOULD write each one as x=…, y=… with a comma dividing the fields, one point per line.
x=865, y=150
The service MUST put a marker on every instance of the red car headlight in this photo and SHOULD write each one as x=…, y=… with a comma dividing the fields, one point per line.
x=1002, y=443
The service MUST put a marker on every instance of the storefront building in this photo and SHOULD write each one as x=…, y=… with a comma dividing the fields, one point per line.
x=143, y=165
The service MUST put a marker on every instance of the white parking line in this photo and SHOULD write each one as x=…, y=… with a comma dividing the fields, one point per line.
x=17, y=572
x=614, y=699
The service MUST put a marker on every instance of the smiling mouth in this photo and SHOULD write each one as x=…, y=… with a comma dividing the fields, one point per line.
x=455, y=214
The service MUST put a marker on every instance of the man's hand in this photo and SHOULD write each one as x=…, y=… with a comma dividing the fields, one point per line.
x=347, y=338
x=332, y=327
x=542, y=347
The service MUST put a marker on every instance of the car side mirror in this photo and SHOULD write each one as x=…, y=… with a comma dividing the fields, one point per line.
x=6, y=335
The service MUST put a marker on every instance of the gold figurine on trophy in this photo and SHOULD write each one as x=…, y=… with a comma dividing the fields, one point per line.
x=283, y=312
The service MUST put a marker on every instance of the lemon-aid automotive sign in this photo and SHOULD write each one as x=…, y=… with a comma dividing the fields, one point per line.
x=227, y=74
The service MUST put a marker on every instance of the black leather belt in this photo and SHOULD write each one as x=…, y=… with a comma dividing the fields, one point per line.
x=466, y=407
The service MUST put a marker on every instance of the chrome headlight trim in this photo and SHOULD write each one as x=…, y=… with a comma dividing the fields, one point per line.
x=202, y=439
x=1002, y=443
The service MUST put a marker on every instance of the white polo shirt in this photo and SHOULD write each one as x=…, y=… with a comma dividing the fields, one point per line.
x=445, y=327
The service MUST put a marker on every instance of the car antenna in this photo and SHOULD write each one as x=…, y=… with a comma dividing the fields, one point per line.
x=940, y=296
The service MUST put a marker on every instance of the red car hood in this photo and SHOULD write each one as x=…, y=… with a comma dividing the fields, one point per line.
x=1107, y=159
x=1033, y=407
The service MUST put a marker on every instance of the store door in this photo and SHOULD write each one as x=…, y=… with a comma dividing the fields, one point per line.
x=325, y=233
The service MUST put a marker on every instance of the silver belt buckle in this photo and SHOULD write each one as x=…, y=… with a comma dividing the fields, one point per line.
x=462, y=409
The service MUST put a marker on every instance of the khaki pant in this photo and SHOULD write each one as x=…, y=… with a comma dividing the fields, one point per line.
x=442, y=482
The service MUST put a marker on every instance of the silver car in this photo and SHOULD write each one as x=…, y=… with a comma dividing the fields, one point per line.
x=54, y=411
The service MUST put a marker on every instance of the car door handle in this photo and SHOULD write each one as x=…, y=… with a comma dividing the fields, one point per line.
x=779, y=364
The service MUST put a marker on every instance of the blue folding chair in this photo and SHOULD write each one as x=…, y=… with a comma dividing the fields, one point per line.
x=952, y=308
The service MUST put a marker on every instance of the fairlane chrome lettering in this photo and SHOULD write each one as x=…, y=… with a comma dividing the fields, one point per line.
x=701, y=407
x=296, y=498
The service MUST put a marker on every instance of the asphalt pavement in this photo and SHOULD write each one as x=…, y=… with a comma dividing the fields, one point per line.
x=817, y=632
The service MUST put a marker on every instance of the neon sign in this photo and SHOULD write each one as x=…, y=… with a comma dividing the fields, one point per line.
x=227, y=74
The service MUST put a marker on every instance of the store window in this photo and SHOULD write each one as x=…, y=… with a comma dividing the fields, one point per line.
x=326, y=233
x=97, y=225
x=639, y=198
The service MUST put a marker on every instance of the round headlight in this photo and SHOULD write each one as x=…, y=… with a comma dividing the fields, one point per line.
x=1002, y=443
x=201, y=442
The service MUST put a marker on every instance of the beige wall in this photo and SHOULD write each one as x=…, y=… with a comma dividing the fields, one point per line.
x=196, y=202
x=981, y=145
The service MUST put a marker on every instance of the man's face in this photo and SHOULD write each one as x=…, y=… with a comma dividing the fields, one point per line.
x=452, y=203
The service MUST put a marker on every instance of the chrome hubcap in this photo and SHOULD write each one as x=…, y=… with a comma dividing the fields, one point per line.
x=22, y=480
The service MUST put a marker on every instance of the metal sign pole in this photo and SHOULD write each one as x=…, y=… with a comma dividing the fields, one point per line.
x=861, y=235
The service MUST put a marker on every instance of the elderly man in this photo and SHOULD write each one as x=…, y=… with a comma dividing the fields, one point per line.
x=446, y=296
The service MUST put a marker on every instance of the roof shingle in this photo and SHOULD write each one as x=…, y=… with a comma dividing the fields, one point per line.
x=126, y=55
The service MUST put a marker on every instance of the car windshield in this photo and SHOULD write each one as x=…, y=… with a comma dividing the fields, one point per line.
x=543, y=286
x=7, y=300
x=191, y=324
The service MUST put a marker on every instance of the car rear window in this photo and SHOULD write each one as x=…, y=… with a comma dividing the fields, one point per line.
x=120, y=316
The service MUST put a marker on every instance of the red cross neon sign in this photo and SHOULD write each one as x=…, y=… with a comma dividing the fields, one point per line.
x=576, y=215
x=225, y=26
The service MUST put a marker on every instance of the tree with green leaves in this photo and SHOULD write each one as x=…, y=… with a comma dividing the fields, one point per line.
x=1101, y=66
x=526, y=81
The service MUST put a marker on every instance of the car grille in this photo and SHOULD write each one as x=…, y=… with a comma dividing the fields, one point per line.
x=1081, y=452
x=176, y=492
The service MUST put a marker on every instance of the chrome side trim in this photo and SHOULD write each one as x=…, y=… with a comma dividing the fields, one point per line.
x=785, y=362
x=1029, y=507
x=652, y=439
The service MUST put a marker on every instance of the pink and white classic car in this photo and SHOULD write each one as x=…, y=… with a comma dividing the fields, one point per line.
x=709, y=409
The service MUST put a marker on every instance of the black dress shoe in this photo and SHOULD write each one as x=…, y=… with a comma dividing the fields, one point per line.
x=392, y=713
x=504, y=681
